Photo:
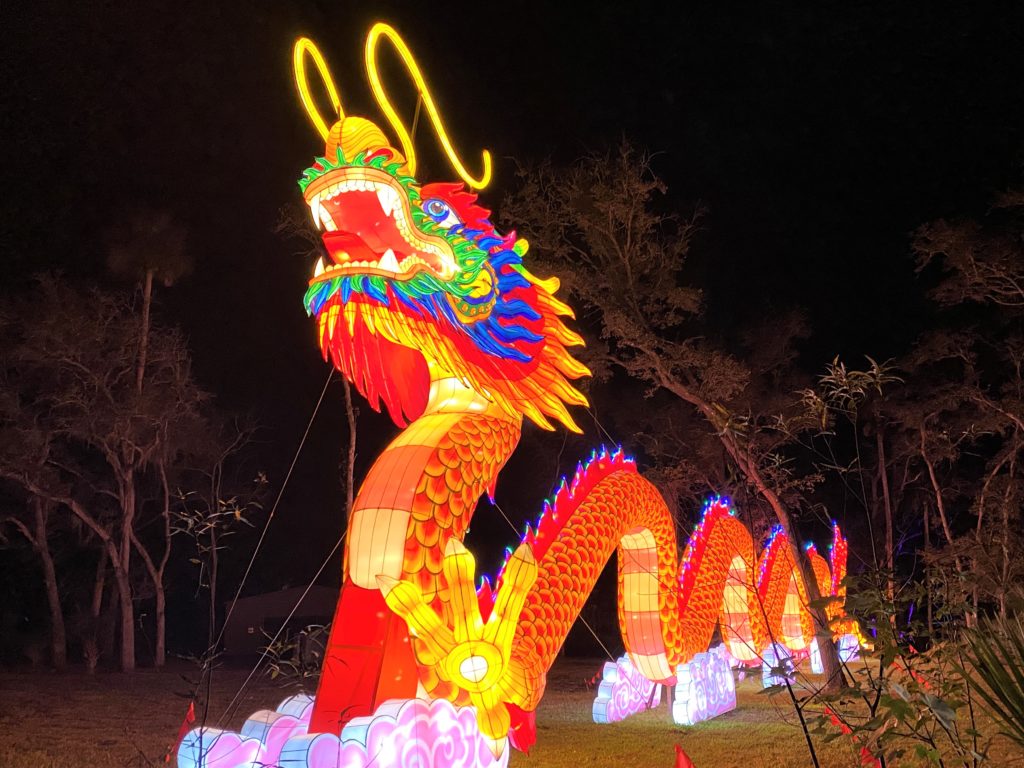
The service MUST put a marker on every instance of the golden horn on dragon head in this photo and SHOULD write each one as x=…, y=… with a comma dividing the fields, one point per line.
x=354, y=134
x=378, y=31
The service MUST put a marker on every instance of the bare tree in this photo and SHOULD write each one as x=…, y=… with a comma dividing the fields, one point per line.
x=598, y=229
x=147, y=245
x=981, y=261
x=85, y=392
x=977, y=266
x=37, y=532
x=222, y=494
x=26, y=448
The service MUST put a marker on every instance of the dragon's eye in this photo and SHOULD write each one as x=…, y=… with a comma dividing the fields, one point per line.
x=441, y=212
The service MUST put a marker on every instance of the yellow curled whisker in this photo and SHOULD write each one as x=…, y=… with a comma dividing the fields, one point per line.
x=379, y=30
x=303, y=46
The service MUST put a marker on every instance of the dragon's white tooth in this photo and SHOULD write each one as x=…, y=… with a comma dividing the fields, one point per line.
x=323, y=216
x=386, y=201
x=319, y=268
x=388, y=261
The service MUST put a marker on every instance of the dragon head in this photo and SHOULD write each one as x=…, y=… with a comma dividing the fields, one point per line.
x=418, y=286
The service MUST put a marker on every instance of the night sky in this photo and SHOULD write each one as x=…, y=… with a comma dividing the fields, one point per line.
x=818, y=138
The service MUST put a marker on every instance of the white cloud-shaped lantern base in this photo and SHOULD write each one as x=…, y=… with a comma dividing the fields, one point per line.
x=412, y=733
x=623, y=692
x=705, y=687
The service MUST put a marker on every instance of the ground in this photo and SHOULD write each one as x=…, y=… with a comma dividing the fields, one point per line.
x=59, y=721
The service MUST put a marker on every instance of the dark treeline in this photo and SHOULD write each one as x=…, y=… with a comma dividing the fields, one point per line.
x=120, y=478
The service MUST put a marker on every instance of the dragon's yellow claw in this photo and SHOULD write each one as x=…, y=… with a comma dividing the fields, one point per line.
x=473, y=654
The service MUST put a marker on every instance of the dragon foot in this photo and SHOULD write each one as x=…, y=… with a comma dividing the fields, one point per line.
x=474, y=655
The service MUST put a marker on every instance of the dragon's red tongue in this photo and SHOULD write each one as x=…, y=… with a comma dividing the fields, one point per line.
x=346, y=247
x=364, y=231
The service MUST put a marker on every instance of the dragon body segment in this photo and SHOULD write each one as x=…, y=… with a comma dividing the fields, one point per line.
x=429, y=311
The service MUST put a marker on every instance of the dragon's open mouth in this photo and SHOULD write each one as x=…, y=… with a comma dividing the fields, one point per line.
x=368, y=228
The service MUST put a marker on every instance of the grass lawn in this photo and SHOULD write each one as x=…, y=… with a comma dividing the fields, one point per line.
x=759, y=732
x=59, y=721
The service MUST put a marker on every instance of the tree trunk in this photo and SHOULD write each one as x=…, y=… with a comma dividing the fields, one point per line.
x=1005, y=537
x=122, y=571
x=109, y=619
x=161, y=604
x=928, y=571
x=120, y=559
x=833, y=667
x=38, y=538
x=58, y=635
x=940, y=505
x=982, y=502
x=156, y=572
x=124, y=593
x=147, y=300
x=213, y=588
x=160, y=654
x=91, y=646
x=156, y=576
x=883, y=473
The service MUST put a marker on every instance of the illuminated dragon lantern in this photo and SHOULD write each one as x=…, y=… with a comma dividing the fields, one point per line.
x=424, y=307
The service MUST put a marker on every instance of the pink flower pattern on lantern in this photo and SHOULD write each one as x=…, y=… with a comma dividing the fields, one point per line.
x=705, y=687
x=410, y=733
x=623, y=692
